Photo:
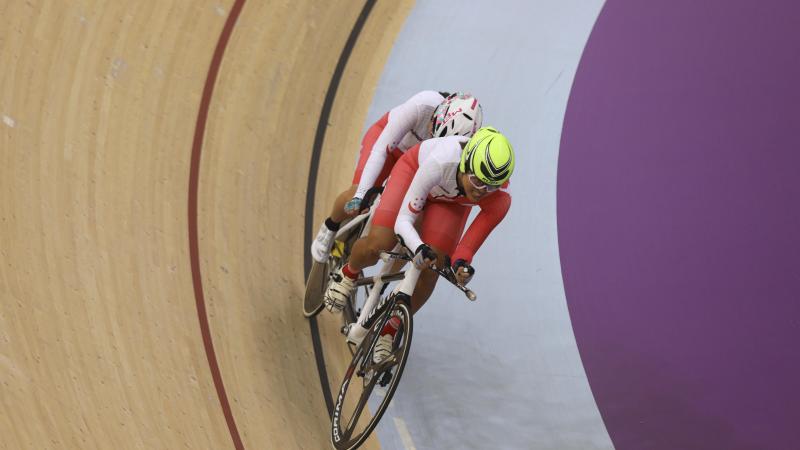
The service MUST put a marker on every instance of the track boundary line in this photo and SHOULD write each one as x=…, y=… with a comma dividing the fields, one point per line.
x=316, y=151
x=194, y=244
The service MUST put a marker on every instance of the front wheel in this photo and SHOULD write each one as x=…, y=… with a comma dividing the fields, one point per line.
x=369, y=386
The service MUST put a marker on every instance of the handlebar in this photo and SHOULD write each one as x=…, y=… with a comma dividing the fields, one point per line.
x=446, y=272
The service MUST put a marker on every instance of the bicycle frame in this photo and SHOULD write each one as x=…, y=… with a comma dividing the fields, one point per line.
x=353, y=223
x=356, y=331
x=355, y=334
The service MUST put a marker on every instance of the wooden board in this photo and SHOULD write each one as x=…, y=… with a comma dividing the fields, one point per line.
x=100, y=344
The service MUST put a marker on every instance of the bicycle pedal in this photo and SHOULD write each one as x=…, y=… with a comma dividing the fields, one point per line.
x=386, y=378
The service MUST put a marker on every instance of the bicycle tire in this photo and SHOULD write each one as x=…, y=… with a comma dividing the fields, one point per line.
x=315, y=287
x=343, y=439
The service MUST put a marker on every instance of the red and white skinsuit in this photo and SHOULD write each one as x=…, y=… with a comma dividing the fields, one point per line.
x=405, y=126
x=424, y=182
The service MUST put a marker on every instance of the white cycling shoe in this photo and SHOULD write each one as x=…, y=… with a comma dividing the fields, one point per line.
x=321, y=247
x=383, y=348
x=338, y=291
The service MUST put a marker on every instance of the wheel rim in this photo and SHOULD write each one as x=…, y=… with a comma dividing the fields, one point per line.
x=315, y=288
x=351, y=405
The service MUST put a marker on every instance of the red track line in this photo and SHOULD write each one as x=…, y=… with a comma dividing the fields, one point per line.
x=194, y=247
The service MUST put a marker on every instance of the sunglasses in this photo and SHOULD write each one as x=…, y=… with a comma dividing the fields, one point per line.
x=478, y=184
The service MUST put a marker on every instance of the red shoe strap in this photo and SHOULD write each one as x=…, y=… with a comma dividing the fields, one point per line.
x=346, y=271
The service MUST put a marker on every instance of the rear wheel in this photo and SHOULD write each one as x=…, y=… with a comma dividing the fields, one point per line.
x=367, y=387
x=319, y=276
x=315, y=287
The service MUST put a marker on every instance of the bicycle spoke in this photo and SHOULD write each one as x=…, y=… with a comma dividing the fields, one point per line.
x=362, y=402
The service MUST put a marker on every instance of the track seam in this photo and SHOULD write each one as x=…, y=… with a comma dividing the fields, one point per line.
x=319, y=138
x=194, y=246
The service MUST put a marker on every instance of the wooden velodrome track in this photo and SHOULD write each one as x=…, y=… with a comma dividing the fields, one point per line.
x=155, y=158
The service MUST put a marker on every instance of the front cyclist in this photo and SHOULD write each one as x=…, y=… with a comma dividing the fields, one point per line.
x=441, y=179
x=427, y=114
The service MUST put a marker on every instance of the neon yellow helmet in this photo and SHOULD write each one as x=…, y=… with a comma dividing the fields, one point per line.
x=489, y=156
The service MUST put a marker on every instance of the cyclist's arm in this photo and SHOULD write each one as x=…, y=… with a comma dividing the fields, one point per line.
x=427, y=177
x=493, y=209
x=401, y=119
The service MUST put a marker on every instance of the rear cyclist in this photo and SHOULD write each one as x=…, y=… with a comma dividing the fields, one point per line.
x=425, y=115
x=440, y=179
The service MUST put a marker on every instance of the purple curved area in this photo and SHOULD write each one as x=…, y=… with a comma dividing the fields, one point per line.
x=679, y=222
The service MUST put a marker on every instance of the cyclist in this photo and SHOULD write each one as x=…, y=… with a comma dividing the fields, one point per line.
x=425, y=115
x=440, y=179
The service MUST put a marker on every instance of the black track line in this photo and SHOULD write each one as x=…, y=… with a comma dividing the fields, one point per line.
x=322, y=126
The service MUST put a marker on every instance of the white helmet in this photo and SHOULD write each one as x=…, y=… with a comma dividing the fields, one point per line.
x=459, y=114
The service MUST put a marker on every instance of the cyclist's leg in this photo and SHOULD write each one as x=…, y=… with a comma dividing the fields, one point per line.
x=381, y=237
x=337, y=213
x=441, y=228
x=366, y=251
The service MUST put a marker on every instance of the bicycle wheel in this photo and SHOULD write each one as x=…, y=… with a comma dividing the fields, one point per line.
x=368, y=386
x=316, y=284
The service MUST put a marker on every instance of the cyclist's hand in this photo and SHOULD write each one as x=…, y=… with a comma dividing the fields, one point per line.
x=353, y=206
x=424, y=256
x=464, y=271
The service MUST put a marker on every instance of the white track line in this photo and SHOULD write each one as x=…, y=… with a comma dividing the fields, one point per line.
x=402, y=430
